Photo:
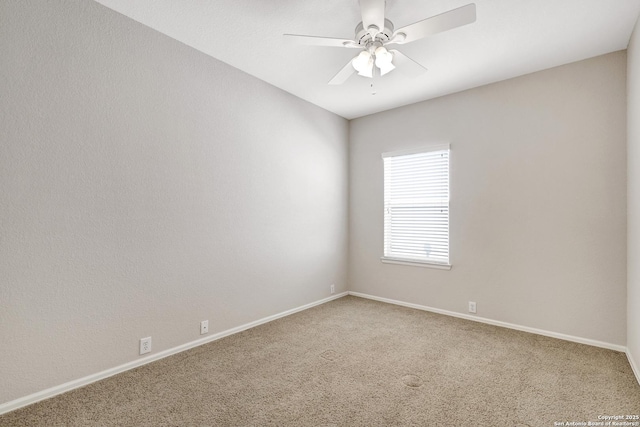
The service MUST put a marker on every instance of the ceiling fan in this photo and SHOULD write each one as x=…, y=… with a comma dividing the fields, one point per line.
x=375, y=33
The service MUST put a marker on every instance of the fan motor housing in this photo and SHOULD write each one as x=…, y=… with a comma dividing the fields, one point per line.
x=364, y=39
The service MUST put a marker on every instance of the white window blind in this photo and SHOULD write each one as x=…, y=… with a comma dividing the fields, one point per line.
x=416, y=206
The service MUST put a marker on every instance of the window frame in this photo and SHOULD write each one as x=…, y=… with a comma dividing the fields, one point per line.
x=409, y=261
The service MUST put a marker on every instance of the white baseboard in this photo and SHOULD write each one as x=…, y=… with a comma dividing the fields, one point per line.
x=572, y=338
x=62, y=388
x=634, y=366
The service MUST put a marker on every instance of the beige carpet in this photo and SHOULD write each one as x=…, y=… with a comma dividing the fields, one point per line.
x=355, y=362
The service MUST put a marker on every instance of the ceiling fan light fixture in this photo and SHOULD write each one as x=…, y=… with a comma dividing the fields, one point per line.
x=368, y=71
x=383, y=55
x=384, y=60
x=363, y=63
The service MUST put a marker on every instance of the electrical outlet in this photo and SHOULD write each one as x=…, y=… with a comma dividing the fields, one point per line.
x=333, y=289
x=204, y=327
x=145, y=345
x=472, y=307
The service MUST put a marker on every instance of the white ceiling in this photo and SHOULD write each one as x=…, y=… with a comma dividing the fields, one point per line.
x=509, y=38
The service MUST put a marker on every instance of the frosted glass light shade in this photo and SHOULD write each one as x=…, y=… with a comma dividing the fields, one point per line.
x=383, y=60
x=363, y=63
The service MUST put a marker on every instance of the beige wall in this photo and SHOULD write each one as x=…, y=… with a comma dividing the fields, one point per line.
x=538, y=200
x=633, y=199
x=144, y=187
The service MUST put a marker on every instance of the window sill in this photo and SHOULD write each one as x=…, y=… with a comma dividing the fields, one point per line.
x=415, y=263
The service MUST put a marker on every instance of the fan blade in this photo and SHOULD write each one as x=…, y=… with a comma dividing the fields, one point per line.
x=372, y=14
x=406, y=65
x=445, y=21
x=342, y=76
x=319, y=41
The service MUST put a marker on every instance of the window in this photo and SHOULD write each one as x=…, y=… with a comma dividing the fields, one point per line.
x=416, y=207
